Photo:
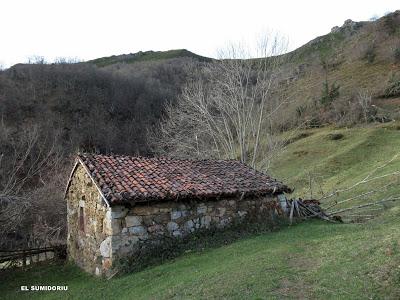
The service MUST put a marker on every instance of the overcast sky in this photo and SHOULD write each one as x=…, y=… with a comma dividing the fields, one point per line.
x=89, y=29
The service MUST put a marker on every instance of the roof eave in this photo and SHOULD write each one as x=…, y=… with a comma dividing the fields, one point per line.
x=241, y=194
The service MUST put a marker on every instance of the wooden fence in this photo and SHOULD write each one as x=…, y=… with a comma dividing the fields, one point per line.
x=23, y=257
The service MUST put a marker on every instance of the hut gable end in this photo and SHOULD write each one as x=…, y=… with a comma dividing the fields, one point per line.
x=86, y=214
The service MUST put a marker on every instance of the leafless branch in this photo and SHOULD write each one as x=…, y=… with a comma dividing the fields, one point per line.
x=390, y=199
x=226, y=111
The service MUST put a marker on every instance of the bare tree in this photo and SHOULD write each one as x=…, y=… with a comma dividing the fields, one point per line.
x=66, y=60
x=227, y=110
x=37, y=60
x=364, y=99
x=27, y=165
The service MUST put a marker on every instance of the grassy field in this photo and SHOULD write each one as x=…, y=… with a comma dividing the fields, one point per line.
x=309, y=260
x=332, y=164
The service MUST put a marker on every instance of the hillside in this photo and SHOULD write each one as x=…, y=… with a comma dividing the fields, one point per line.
x=314, y=260
x=130, y=91
x=49, y=112
x=146, y=56
x=336, y=158
x=356, y=56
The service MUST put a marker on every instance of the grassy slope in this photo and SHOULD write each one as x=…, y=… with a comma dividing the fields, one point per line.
x=359, y=151
x=146, y=56
x=312, y=260
x=337, y=164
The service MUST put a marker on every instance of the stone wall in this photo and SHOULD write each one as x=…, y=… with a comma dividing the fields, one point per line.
x=84, y=246
x=148, y=223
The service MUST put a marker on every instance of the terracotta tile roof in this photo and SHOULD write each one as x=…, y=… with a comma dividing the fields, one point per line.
x=138, y=179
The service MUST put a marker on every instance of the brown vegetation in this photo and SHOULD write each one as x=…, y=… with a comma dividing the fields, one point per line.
x=48, y=111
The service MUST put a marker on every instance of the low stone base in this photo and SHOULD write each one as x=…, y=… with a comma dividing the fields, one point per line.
x=145, y=226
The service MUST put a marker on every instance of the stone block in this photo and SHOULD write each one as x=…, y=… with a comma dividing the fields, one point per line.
x=189, y=225
x=148, y=221
x=144, y=237
x=205, y=221
x=118, y=212
x=144, y=210
x=202, y=209
x=172, y=226
x=156, y=229
x=242, y=213
x=133, y=221
x=224, y=222
x=111, y=226
x=137, y=230
x=133, y=240
x=162, y=218
x=182, y=206
x=177, y=233
x=221, y=211
x=105, y=247
x=176, y=214
x=107, y=263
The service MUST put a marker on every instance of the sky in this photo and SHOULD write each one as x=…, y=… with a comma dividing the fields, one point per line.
x=87, y=29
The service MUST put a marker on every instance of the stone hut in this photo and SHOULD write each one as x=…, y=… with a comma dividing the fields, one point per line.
x=116, y=203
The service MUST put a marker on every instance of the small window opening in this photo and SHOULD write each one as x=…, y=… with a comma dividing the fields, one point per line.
x=81, y=219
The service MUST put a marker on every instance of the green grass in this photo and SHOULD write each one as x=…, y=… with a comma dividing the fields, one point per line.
x=146, y=56
x=337, y=164
x=324, y=46
x=315, y=259
x=308, y=260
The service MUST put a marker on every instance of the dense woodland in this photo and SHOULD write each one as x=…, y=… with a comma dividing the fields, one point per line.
x=114, y=105
x=90, y=108
x=51, y=111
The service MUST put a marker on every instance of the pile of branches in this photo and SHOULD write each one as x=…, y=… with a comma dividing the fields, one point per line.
x=306, y=209
x=365, y=199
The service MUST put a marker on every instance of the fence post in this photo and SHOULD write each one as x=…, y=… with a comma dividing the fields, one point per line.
x=23, y=258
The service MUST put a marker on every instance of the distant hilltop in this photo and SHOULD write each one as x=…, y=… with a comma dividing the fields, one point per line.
x=146, y=56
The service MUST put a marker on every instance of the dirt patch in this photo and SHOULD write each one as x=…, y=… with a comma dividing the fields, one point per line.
x=392, y=127
x=387, y=102
x=294, y=289
x=297, y=288
x=387, y=276
x=302, y=263
x=300, y=136
x=335, y=136
x=300, y=153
